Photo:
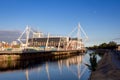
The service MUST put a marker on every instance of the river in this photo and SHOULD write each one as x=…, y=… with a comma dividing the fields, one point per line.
x=57, y=68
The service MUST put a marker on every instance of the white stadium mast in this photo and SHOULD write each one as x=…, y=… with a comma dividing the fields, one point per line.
x=26, y=31
x=80, y=41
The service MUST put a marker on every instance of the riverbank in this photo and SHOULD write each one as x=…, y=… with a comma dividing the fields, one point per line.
x=10, y=55
x=108, y=68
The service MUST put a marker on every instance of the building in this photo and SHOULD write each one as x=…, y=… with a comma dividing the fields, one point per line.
x=50, y=42
x=38, y=39
x=56, y=42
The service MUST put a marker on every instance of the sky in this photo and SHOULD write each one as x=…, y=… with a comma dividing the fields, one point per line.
x=100, y=19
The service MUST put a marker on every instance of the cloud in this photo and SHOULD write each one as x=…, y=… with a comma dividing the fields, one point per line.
x=9, y=36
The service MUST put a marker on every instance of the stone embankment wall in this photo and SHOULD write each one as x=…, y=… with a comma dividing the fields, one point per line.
x=35, y=55
x=9, y=57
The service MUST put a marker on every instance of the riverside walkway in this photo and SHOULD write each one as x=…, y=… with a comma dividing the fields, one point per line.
x=108, y=68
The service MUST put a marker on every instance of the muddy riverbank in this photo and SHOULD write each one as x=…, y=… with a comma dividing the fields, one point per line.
x=108, y=68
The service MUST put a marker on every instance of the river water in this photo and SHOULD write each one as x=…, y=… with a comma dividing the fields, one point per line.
x=57, y=68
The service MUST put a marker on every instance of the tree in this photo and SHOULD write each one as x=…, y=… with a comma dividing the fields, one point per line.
x=112, y=45
x=103, y=46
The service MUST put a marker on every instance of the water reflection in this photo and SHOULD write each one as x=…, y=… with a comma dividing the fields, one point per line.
x=47, y=70
x=55, y=68
x=27, y=75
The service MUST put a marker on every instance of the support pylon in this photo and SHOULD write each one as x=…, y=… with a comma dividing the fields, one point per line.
x=79, y=43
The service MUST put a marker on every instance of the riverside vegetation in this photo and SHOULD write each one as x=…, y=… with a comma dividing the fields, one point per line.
x=111, y=45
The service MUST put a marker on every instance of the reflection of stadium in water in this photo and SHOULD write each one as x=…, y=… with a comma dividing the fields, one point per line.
x=70, y=65
x=76, y=60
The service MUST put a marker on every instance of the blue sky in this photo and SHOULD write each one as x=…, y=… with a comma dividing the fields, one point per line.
x=99, y=18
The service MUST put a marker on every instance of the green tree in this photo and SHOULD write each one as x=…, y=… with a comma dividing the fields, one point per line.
x=103, y=46
x=112, y=45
